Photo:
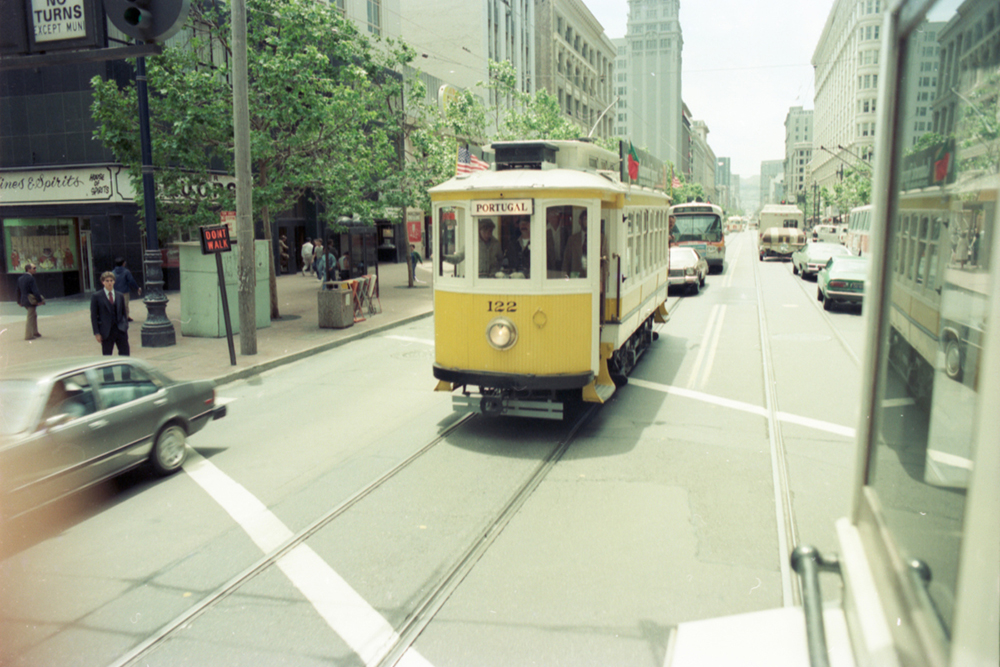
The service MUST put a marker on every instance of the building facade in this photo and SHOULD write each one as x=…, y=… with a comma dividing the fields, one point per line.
x=575, y=63
x=798, y=152
x=770, y=193
x=703, y=162
x=65, y=204
x=846, y=64
x=724, y=183
x=455, y=41
x=653, y=73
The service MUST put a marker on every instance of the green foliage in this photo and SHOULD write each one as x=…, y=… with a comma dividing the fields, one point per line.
x=855, y=189
x=321, y=116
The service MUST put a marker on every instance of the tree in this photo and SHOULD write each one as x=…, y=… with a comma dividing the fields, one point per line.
x=318, y=110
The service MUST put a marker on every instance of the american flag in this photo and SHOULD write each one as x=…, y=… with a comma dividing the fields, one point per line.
x=468, y=163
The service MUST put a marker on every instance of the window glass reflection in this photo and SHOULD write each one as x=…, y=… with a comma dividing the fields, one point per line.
x=450, y=225
x=937, y=295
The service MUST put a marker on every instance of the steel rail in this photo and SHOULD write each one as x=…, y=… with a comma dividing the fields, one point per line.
x=230, y=586
x=791, y=595
x=826, y=316
x=453, y=577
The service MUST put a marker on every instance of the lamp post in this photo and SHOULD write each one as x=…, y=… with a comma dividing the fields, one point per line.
x=157, y=331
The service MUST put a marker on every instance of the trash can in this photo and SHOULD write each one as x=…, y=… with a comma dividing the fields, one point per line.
x=336, y=305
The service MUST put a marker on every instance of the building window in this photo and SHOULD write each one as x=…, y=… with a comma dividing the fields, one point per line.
x=375, y=17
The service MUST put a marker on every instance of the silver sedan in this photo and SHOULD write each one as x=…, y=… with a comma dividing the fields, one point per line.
x=810, y=259
x=70, y=423
x=687, y=268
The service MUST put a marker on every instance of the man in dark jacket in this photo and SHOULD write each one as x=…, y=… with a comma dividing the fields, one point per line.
x=29, y=297
x=125, y=282
x=108, y=318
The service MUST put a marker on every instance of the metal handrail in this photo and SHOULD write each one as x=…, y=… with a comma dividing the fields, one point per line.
x=809, y=562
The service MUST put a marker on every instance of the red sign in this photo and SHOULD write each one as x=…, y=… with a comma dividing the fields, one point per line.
x=215, y=239
x=413, y=231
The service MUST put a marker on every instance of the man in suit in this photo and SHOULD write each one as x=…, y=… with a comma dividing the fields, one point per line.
x=108, y=318
x=29, y=298
x=556, y=234
x=518, y=256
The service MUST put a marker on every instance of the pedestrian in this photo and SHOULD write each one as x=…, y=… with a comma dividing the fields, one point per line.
x=283, y=251
x=318, y=252
x=345, y=266
x=307, y=257
x=108, y=319
x=125, y=282
x=29, y=298
x=415, y=259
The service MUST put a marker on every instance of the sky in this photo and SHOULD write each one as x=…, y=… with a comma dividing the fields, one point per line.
x=745, y=64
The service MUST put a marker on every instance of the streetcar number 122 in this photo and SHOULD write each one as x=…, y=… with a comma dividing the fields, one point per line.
x=501, y=306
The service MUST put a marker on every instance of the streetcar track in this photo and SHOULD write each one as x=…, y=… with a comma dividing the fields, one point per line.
x=404, y=636
x=826, y=317
x=785, y=519
x=270, y=559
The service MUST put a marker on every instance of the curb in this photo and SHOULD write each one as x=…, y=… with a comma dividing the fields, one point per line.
x=257, y=369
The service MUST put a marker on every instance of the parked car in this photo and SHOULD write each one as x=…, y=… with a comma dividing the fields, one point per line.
x=780, y=242
x=687, y=268
x=812, y=257
x=842, y=280
x=70, y=423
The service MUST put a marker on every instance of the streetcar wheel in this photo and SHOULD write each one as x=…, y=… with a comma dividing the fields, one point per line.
x=170, y=450
x=953, y=360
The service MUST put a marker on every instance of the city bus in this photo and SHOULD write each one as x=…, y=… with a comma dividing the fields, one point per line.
x=699, y=225
x=859, y=224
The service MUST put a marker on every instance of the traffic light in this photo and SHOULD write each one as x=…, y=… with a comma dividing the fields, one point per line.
x=148, y=20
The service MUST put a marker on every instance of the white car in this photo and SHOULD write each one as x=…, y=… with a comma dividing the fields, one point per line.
x=687, y=268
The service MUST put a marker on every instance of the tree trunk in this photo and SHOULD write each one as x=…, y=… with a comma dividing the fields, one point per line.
x=265, y=214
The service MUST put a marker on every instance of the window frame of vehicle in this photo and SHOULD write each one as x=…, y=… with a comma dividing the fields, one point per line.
x=946, y=613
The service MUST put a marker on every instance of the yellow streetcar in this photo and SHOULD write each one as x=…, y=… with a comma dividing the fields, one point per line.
x=549, y=275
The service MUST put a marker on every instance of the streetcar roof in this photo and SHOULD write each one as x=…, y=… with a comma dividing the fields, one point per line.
x=531, y=182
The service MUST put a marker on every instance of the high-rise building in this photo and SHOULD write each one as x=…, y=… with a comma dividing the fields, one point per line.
x=575, y=63
x=653, y=77
x=846, y=63
x=769, y=172
x=456, y=40
x=798, y=152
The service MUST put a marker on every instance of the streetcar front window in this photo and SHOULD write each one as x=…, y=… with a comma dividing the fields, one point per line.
x=698, y=228
x=937, y=302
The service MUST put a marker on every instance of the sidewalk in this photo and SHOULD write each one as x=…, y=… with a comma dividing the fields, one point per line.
x=66, y=331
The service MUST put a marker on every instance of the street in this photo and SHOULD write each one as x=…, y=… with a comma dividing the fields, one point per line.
x=343, y=513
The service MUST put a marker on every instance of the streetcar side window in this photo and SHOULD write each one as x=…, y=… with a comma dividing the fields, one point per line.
x=450, y=225
x=935, y=302
x=566, y=242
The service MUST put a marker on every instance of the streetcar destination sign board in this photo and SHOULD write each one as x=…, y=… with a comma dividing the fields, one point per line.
x=481, y=207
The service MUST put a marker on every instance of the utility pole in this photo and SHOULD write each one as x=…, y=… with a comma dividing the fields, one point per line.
x=244, y=201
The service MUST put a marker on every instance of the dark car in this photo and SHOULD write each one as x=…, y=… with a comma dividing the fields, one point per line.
x=842, y=280
x=812, y=257
x=70, y=423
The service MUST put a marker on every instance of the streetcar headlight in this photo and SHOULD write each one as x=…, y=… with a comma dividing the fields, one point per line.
x=501, y=333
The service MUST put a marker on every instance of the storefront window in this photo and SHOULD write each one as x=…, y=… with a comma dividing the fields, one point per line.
x=48, y=243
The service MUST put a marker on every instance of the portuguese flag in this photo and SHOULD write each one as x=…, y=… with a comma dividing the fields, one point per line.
x=633, y=162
